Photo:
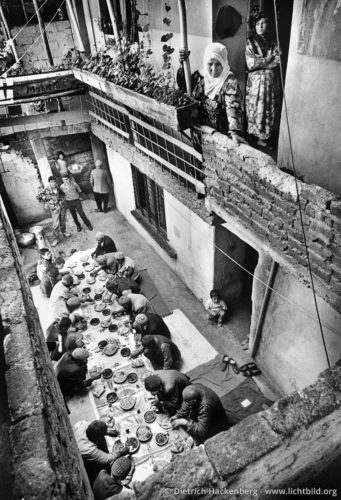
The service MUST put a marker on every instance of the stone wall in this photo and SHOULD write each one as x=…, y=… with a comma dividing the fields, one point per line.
x=293, y=444
x=247, y=184
x=46, y=463
x=60, y=40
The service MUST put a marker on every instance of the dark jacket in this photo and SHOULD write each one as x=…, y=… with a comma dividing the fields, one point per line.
x=69, y=373
x=207, y=418
x=173, y=383
x=118, y=285
x=105, y=246
x=156, y=326
x=105, y=486
x=165, y=355
x=48, y=280
x=52, y=338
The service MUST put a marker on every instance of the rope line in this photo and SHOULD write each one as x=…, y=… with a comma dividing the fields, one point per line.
x=30, y=19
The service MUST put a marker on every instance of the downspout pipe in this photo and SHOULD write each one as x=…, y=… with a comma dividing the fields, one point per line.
x=265, y=303
x=184, y=44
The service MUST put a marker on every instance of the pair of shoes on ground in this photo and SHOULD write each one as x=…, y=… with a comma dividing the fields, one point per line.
x=250, y=370
x=105, y=210
x=226, y=362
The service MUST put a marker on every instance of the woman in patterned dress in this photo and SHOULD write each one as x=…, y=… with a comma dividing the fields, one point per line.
x=263, y=90
x=218, y=90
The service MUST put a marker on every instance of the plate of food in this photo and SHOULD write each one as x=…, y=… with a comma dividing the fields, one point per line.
x=118, y=446
x=120, y=376
x=99, y=307
x=126, y=391
x=90, y=280
x=132, y=378
x=88, y=267
x=78, y=272
x=164, y=422
x=144, y=433
x=125, y=352
x=94, y=321
x=149, y=416
x=110, y=349
x=107, y=373
x=177, y=447
x=133, y=444
x=127, y=403
x=102, y=276
x=161, y=438
x=113, y=341
x=105, y=323
x=84, y=258
x=137, y=363
x=102, y=344
x=106, y=312
x=111, y=397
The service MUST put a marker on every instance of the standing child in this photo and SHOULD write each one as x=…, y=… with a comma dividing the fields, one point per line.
x=216, y=307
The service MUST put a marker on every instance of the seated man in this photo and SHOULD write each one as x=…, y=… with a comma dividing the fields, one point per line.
x=167, y=387
x=55, y=337
x=90, y=438
x=44, y=262
x=134, y=303
x=73, y=340
x=151, y=324
x=104, y=245
x=126, y=267
x=162, y=352
x=71, y=371
x=201, y=413
x=107, y=262
x=63, y=300
x=118, y=285
x=49, y=279
x=108, y=485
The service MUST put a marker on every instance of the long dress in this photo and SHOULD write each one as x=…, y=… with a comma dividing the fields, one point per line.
x=263, y=90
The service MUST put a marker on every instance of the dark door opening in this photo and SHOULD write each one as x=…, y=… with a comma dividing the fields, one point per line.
x=234, y=265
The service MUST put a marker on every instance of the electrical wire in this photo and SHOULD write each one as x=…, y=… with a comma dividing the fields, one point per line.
x=297, y=190
x=35, y=41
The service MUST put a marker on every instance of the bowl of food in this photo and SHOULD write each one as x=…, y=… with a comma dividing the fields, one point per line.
x=113, y=328
x=125, y=352
x=107, y=373
x=86, y=290
x=102, y=344
x=132, y=378
x=106, y=312
x=111, y=397
x=133, y=444
x=144, y=433
x=94, y=321
x=98, y=296
x=127, y=403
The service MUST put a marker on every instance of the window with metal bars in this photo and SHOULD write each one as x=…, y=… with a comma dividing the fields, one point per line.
x=109, y=113
x=149, y=200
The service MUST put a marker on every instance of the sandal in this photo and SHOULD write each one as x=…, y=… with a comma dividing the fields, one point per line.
x=224, y=363
x=234, y=365
x=250, y=370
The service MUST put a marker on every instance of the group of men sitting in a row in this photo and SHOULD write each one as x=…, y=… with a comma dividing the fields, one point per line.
x=194, y=407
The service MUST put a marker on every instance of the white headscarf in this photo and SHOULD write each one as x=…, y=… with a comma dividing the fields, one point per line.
x=216, y=51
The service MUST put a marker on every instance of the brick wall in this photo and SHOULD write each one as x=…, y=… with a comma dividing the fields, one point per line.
x=45, y=460
x=248, y=185
x=86, y=160
x=60, y=39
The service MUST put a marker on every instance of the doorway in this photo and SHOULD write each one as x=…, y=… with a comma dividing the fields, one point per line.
x=234, y=265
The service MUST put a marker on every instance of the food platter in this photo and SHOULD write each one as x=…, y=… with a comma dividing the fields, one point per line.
x=161, y=439
x=149, y=416
x=127, y=403
x=133, y=444
x=119, y=377
x=125, y=352
x=110, y=349
x=99, y=307
x=144, y=433
x=111, y=397
x=94, y=321
x=132, y=378
x=107, y=373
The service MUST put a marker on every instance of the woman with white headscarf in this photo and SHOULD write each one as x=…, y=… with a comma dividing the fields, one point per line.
x=218, y=90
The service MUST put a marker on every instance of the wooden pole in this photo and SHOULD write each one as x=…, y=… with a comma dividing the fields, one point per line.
x=113, y=20
x=8, y=34
x=75, y=25
x=184, y=44
x=43, y=33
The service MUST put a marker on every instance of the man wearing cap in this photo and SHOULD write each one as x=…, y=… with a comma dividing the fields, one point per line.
x=201, y=414
x=162, y=352
x=126, y=266
x=73, y=203
x=55, y=337
x=107, y=262
x=134, y=303
x=71, y=371
x=108, y=485
x=60, y=294
x=104, y=245
x=119, y=284
x=167, y=386
x=100, y=182
x=151, y=324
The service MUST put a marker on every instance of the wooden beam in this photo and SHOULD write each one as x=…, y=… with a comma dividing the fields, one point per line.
x=8, y=33
x=113, y=20
x=43, y=33
x=75, y=25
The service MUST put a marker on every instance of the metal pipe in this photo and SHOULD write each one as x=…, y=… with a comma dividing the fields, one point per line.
x=113, y=20
x=265, y=303
x=184, y=44
x=8, y=33
x=43, y=33
x=89, y=24
x=75, y=25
